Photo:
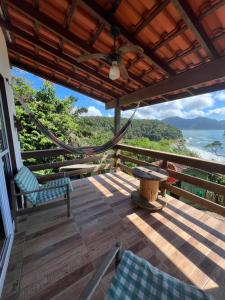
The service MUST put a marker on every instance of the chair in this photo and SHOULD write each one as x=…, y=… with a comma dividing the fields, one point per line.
x=135, y=278
x=38, y=195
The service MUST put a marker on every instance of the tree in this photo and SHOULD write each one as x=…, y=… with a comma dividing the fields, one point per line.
x=215, y=147
x=58, y=115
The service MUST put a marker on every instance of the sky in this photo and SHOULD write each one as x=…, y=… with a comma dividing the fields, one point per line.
x=208, y=105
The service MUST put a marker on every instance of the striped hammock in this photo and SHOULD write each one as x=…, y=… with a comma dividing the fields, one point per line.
x=88, y=150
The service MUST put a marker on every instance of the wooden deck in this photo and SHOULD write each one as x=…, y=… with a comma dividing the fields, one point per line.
x=53, y=257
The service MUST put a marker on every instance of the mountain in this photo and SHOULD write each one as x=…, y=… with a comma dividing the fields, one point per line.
x=196, y=123
x=155, y=130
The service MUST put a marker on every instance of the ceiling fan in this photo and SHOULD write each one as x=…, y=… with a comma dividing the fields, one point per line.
x=114, y=58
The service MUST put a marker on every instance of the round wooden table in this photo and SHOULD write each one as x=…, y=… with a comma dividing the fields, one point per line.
x=147, y=195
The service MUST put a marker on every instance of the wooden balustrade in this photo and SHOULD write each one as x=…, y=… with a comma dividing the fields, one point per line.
x=58, y=164
x=97, y=169
x=206, y=165
x=209, y=166
x=44, y=153
x=102, y=162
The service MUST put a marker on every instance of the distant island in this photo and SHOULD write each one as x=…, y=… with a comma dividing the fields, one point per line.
x=196, y=123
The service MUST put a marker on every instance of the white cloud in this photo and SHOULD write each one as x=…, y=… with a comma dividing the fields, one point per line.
x=197, y=102
x=221, y=96
x=92, y=111
x=217, y=111
x=185, y=108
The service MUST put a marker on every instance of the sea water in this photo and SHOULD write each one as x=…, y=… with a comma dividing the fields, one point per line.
x=196, y=140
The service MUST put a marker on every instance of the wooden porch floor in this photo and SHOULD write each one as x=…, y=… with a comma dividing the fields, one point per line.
x=53, y=257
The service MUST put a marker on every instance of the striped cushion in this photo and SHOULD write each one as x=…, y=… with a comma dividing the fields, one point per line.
x=26, y=182
x=52, y=194
x=136, y=278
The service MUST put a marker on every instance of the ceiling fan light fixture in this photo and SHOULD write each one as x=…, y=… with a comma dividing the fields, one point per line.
x=114, y=72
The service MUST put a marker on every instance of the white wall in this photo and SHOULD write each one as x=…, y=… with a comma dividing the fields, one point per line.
x=5, y=72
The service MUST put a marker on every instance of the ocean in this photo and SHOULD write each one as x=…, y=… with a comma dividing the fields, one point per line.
x=197, y=139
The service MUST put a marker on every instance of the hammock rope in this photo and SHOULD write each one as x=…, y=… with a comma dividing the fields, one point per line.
x=86, y=150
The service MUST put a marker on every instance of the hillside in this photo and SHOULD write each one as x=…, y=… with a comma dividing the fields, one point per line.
x=196, y=123
x=152, y=129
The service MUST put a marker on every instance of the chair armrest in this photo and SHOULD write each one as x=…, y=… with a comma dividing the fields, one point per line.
x=95, y=281
x=43, y=189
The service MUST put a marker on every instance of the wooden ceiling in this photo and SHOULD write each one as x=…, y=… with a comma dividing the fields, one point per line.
x=183, y=43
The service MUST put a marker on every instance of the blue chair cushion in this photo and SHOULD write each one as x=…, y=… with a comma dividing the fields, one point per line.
x=137, y=279
x=26, y=182
x=52, y=194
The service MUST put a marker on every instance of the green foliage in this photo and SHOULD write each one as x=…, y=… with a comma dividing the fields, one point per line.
x=173, y=146
x=56, y=114
x=100, y=128
x=214, y=147
x=64, y=120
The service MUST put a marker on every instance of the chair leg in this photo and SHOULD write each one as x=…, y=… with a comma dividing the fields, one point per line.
x=68, y=200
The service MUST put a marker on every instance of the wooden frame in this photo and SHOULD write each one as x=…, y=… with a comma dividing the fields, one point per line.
x=114, y=253
x=54, y=165
x=104, y=17
x=103, y=163
x=204, y=73
x=47, y=205
x=209, y=166
x=34, y=53
x=189, y=17
x=206, y=165
x=117, y=123
x=5, y=112
x=28, y=10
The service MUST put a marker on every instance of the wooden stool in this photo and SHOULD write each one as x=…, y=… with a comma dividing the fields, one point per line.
x=147, y=196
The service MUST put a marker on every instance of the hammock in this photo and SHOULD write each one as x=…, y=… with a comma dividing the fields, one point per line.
x=87, y=150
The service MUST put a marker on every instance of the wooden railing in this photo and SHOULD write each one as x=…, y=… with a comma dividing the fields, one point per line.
x=102, y=163
x=123, y=157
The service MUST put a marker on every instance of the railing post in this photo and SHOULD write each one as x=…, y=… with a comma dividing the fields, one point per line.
x=117, y=120
x=162, y=185
x=117, y=159
x=164, y=164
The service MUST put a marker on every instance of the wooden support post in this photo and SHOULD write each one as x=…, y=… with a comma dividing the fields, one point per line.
x=117, y=119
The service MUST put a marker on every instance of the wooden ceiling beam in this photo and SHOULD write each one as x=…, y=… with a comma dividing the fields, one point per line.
x=211, y=9
x=26, y=9
x=204, y=73
x=97, y=34
x=41, y=74
x=192, y=22
x=101, y=27
x=116, y=5
x=190, y=93
x=62, y=56
x=104, y=17
x=67, y=73
x=71, y=13
x=150, y=16
x=195, y=47
x=180, y=28
x=183, y=27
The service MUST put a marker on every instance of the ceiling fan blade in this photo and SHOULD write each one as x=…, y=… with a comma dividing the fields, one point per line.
x=85, y=57
x=130, y=48
x=123, y=70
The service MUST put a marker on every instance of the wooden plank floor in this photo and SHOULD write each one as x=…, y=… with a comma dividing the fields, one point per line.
x=53, y=256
